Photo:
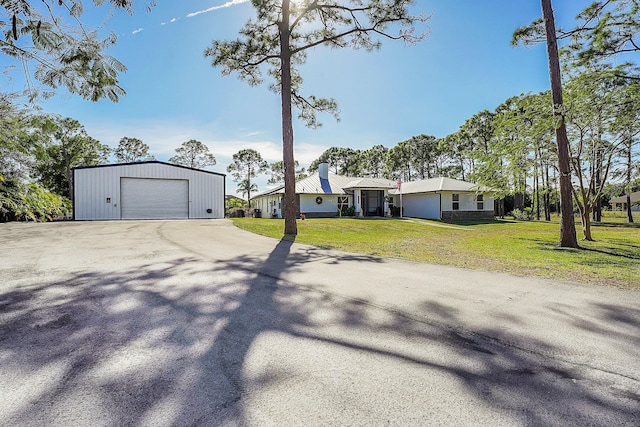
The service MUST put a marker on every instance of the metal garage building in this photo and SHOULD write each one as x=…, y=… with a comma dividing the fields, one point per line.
x=146, y=190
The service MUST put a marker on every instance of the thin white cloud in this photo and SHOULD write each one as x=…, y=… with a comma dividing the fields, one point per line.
x=222, y=6
x=164, y=137
x=305, y=152
x=163, y=23
x=173, y=20
x=137, y=31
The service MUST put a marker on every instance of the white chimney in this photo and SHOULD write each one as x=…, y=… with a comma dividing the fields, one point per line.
x=323, y=170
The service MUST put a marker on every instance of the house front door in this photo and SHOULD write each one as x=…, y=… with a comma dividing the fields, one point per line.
x=373, y=202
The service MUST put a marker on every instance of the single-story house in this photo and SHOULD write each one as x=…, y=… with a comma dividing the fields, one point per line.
x=444, y=199
x=620, y=203
x=324, y=194
x=146, y=190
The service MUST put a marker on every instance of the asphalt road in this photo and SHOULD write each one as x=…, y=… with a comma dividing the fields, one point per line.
x=181, y=323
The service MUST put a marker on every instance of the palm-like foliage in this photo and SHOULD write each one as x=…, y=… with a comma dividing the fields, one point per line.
x=246, y=187
x=247, y=164
x=50, y=35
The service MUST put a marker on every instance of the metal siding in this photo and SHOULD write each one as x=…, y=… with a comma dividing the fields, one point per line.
x=91, y=189
x=94, y=185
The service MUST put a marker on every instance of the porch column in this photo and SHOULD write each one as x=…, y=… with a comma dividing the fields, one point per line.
x=357, y=202
x=386, y=203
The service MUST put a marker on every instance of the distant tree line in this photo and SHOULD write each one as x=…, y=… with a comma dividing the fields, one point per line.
x=512, y=150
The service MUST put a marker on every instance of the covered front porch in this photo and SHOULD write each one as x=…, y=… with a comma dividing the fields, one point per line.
x=372, y=203
x=371, y=196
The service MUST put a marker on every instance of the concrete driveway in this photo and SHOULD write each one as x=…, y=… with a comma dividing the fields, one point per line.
x=181, y=323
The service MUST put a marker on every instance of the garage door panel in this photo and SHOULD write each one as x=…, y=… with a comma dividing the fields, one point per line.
x=146, y=198
x=422, y=206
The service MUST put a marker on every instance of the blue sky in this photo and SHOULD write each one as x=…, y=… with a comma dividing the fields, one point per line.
x=173, y=94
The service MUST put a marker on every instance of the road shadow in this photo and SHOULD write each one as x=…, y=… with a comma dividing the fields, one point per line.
x=183, y=343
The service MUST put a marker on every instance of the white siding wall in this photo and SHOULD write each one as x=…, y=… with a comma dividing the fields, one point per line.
x=261, y=203
x=357, y=201
x=267, y=204
x=308, y=203
x=622, y=206
x=488, y=202
x=425, y=206
x=467, y=202
x=92, y=187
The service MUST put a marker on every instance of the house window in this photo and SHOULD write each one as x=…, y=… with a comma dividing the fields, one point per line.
x=343, y=202
x=455, y=202
x=480, y=202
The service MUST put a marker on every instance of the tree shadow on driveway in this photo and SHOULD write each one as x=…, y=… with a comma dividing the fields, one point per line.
x=196, y=342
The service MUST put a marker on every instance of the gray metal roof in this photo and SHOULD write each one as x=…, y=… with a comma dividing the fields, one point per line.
x=336, y=184
x=147, y=162
x=436, y=184
x=371, y=183
x=635, y=197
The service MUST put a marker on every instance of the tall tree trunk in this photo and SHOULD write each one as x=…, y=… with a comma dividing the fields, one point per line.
x=586, y=221
x=629, y=168
x=67, y=170
x=629, y=211
x=518, y=201
x=556, y=191
x=544, y=175
x=249, y=189
x=547, y=194
x=592, y=170
x=585, y=206
x=567, y=223
x=290, y=225
x=536, y=184
x=597, y=208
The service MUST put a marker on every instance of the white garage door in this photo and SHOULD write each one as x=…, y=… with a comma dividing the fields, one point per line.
x=144, y=198
x=421, y=205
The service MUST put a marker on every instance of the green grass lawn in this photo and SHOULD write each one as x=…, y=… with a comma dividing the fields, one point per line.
x=619, y=217
x=522, y=248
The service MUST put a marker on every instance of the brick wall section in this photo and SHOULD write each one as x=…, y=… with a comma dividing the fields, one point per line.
x=466, y=215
